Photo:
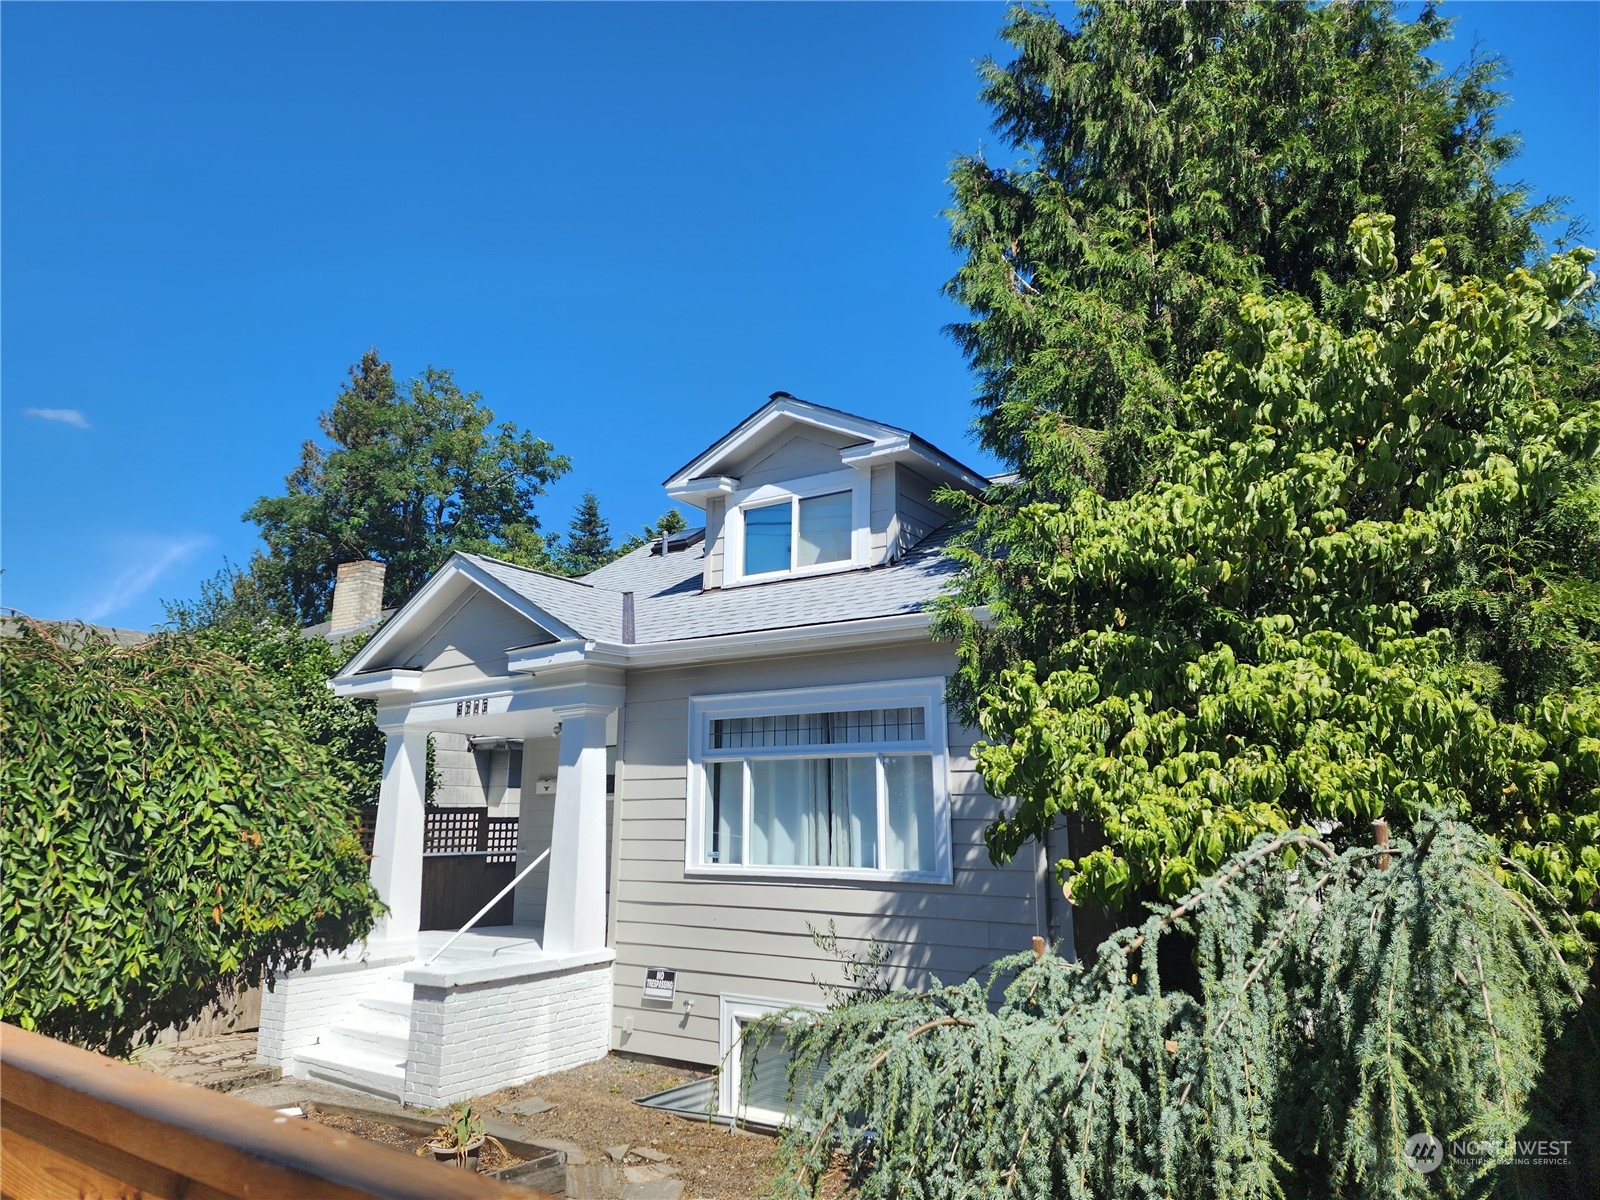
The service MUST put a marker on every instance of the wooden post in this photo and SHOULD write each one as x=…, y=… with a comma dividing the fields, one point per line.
x=1380, y=836
x=1038, y=947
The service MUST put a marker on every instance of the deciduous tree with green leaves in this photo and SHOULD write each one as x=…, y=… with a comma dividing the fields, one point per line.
x=1238, y=649
x=413, y=474
x=166, y=828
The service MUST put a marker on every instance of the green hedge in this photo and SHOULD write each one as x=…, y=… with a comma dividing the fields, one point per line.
x=166, y=827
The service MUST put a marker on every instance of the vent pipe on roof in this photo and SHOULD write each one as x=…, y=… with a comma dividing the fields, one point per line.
x=627, y=618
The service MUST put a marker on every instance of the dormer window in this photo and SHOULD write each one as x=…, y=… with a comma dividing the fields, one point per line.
x=790, y=534
x=802, y=527
x=798, y=489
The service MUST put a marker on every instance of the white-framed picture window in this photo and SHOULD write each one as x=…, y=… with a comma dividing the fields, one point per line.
x=807, y=526
x=759, y=1095
x=847, y=783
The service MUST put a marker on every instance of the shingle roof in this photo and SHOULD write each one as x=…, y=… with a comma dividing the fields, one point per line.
x=592, y=611
x=670, y=606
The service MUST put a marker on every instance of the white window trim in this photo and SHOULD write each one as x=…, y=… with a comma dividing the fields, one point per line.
x=895, y=693
x=734, y=1011
x=857, y=483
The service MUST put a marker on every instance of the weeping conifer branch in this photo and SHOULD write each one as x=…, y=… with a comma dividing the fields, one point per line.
x=1341, y=1009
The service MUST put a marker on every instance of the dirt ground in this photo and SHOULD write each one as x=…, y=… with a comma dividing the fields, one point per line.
x=490, y=1158
x=594, y=1108
x=593, y=1111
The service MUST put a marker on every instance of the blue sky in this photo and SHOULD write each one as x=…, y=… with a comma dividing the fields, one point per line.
x=624, y=225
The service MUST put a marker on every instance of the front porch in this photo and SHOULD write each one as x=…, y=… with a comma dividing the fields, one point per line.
x=402, y=1016
x=494, y=1009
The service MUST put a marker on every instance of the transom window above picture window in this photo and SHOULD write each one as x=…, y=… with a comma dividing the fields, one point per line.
x=800, y=532
x=846, y=782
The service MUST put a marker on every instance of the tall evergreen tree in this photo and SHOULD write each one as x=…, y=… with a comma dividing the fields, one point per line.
x=669, y=522
x=412, y=475
x=1160, y=161
x=1172, y=161
x=588, y=540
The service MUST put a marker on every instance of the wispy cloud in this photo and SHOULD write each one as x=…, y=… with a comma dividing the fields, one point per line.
x=156, y=556
x=67, y=416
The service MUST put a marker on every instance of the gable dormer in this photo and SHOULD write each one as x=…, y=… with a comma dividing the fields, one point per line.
x=799, y=489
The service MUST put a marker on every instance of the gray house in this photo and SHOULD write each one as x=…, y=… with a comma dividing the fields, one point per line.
x=726, y=737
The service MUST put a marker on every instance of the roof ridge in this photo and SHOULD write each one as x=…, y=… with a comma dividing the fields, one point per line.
x=532, y=571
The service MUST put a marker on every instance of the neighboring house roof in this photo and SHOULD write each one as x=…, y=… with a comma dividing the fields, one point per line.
x=326, y=631
x=12, y=621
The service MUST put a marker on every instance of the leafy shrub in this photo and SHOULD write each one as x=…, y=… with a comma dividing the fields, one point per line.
x=166, y=827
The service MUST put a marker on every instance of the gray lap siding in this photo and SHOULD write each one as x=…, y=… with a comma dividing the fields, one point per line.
x=748, y=937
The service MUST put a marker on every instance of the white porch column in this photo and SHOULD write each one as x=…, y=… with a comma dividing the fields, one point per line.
x=397, y=842
x=575, y=897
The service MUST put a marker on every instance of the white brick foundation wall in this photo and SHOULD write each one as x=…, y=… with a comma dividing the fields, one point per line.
x=299, y=1008
x=472, y=1038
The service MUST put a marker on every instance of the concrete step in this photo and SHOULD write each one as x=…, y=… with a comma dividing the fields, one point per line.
x=393, y=998
x=366, y=1041
x=363, y=1070
x=375, y=1030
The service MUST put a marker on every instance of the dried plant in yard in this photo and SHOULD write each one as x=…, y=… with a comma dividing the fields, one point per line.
x=462, y=1133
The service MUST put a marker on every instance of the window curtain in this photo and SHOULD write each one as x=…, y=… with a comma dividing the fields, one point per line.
x=725, y=821
x=909, y=840
x=814, y=812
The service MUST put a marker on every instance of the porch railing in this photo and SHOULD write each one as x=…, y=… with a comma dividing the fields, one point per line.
x=500, y=895
x=466, y=854
x=456, y=831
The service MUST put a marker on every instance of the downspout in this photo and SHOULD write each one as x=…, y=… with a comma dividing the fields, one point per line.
x=627, y=618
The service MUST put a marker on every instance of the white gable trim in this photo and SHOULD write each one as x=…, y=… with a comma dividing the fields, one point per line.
x=417, y=617
x=901, y=449
x=786, y=410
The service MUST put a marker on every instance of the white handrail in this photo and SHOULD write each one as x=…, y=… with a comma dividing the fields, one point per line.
x=500, y=895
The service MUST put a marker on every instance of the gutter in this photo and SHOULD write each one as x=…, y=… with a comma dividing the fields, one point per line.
x=574, y=652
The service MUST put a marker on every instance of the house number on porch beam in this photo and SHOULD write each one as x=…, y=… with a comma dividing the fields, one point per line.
x=472, y=708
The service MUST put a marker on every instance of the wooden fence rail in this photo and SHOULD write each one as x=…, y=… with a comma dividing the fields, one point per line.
x=77, y=1124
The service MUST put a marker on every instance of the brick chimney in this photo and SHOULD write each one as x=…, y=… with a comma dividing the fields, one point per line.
x=357, y=595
